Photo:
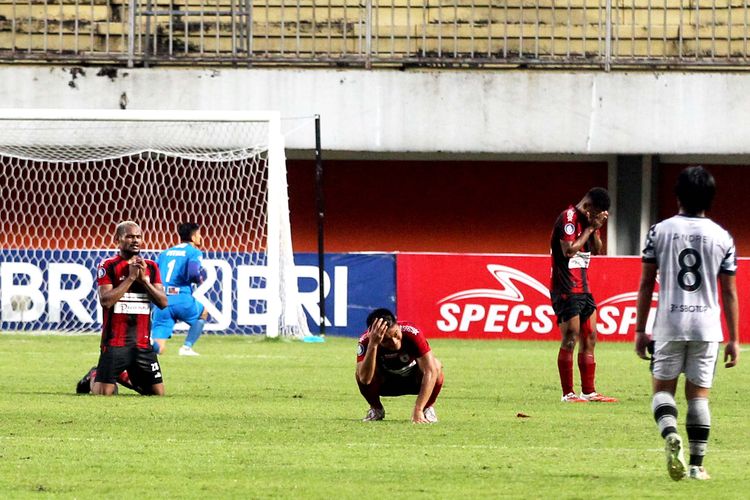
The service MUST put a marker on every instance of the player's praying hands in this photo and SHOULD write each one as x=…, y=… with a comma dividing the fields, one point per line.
x=142, y=272
x=134, y=269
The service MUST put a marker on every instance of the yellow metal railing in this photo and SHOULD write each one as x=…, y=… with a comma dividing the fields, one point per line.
x=598, y=33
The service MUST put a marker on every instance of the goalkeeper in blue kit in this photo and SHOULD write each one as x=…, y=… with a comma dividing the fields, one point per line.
x=181, y=268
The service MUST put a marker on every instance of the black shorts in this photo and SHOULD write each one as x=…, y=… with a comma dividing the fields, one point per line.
x=400, y=384
x=142, y=366
x=568, y=306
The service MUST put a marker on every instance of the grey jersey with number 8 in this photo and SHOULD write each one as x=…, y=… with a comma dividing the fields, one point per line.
x=689, y=252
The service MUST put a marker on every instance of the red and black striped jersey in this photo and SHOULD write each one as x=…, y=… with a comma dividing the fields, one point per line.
x=569, y=274
x=128, y=321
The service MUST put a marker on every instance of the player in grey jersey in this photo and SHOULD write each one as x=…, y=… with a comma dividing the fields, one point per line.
x=695, y=257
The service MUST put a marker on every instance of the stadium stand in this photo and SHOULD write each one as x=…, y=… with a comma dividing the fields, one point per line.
x=481, y=31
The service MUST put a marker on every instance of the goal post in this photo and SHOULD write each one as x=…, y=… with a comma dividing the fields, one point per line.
x=70, y=176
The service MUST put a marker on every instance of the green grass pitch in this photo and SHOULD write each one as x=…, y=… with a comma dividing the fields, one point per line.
x=259, y=419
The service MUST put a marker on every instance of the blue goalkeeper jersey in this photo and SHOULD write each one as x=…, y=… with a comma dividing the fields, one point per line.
x=180, y=267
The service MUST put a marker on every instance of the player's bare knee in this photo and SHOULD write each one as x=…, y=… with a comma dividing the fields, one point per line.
x=588, y=343
x=568, y=342
x=101, y=389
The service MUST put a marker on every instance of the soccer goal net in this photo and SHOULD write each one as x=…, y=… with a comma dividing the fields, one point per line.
x=68, y=178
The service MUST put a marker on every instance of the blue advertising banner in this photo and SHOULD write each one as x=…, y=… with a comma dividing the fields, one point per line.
x=42, y=290
x=56, y=290
x=355, y=284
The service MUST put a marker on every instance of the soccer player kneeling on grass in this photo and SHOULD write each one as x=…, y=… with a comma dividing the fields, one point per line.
x=693, y=255
x=394, y=359
x=128, y=284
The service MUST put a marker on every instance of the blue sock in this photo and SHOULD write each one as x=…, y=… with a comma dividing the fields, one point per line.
x=195, y=332
x=155, y=347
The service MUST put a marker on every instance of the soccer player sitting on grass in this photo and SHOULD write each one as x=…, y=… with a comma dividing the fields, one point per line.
x=693, y=255
x=394, y=359
x=181, y=267
x=128, y=284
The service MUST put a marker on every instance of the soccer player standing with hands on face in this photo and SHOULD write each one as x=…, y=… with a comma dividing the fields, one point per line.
x=128, y=284
x=695, y=257
x=575, y=237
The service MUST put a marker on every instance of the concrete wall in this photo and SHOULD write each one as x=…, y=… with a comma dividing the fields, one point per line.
x=495, y=112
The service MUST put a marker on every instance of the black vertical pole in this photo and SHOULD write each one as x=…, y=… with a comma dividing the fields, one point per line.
x=320, y=204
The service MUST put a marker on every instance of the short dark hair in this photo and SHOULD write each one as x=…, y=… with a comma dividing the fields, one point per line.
x=186, y=230
x=695, y=189
x=381, y=313
x=599, y=198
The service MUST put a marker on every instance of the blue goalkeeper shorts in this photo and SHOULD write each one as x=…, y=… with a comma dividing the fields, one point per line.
x=181, y=308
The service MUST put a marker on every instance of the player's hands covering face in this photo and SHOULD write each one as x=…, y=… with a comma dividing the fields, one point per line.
x=599, y=219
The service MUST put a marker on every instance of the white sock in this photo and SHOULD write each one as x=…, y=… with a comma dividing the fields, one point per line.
x=665, y=412
x=698, y=425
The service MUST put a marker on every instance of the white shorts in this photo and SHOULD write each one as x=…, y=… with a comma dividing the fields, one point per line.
x=696, y=359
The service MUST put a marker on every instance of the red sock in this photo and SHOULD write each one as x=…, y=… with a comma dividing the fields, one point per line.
x=587, y=367
x=435, y=391
x=565, y=367
x=124, y=379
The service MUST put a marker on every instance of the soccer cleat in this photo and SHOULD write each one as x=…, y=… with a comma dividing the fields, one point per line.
x=675, y=457
x=698, y=472
x=430, y=415
x=187, y=351
x=572, y=397
x=595, y=397
x=84, y=385
x=374, y=414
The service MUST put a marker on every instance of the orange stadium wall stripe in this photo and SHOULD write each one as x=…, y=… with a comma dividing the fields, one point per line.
x=496, y=296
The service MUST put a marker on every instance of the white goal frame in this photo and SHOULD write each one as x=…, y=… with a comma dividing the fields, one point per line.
x=278, y=231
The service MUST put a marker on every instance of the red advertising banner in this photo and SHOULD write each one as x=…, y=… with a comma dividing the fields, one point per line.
x=492, y=296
